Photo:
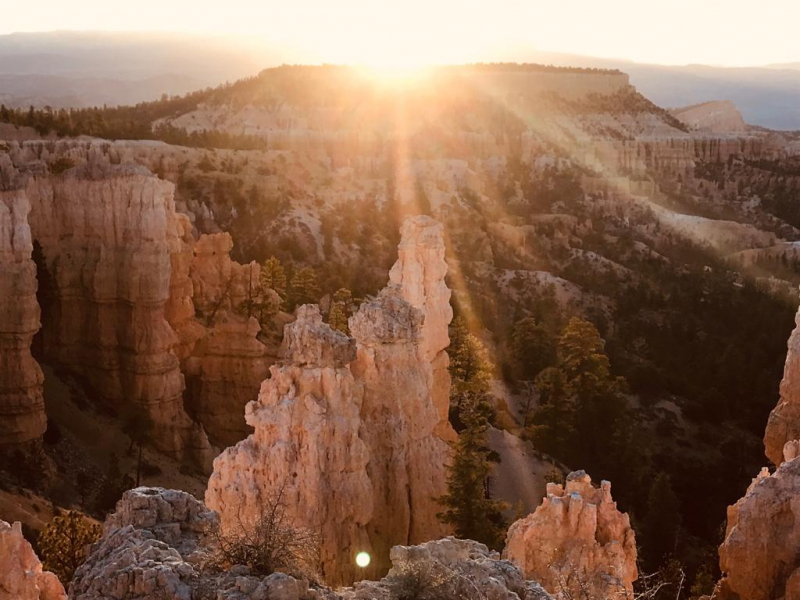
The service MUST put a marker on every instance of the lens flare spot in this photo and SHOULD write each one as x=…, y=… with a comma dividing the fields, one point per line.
x=363, y=559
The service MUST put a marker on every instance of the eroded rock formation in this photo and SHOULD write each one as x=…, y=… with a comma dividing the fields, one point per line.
x=220, y=283
x=576, y=540
x=108, y=234
x=399, y=418
x=306, y=446
x=784, y=420
x=420, y=272
x=21, y=574
x=22, y=416
x=223, y=374
x=758, y=558
x=155, y=546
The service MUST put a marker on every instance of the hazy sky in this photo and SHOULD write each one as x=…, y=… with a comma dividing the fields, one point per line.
x=732, y=32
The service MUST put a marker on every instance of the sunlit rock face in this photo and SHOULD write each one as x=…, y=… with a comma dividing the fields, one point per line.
x=108, y=234
x=408, y=460
x=223, y=374
x=219, y=282
x=576, y=540
x=420, y=272
x=784, y=420
x=306, y=443
x=21, y=575
x=758, y=558
x=22, y=416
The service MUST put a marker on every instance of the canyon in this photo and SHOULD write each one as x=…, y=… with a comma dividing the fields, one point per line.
x=128, y=269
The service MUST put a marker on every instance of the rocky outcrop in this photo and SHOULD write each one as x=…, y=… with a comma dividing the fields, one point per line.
x=223, y=374
x=408, y=460
x=21, y=574
x=22, y=416
x=420, y=272
x=784, y=420
x=448, y=569
x=758, y=558
x=576, y=540
x=306, y=447
x=156, y=546
x=220, y=283
x=108, y=234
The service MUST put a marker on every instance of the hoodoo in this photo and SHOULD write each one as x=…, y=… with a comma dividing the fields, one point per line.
x=22, y=416
x=577, y=541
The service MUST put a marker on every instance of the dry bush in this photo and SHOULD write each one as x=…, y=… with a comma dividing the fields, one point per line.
x=270, y=542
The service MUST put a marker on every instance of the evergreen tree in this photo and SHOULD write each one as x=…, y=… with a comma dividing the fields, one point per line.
x=341, y=310
x=470, y=373
x=468, y=505
x=662, y=523
x=273, y=277
x=303, y=288
x=552, y=430
x=63, y=544
x=139, y=427
x=532, y=347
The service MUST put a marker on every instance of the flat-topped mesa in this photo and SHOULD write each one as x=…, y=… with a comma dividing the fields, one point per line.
x=22, y=416
x=784, y=420
x=576, y=540
x=306, y=444
x=21, y=574
x=108, y=234
x=758, y=558
x=420, y=272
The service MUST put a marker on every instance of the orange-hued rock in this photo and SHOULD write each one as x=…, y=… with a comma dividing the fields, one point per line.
x=108, y=235
x=784, y=420
x=576, y=540
x=21, y=574
x=223, y=374
x=306, y=442
x=717, y=116
x=408, y=460
x=219, y=282
x=22, y=416
x=420, y=272
x=758, y=558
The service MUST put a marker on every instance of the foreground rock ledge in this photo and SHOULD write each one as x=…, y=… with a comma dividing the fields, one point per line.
x=155, y=546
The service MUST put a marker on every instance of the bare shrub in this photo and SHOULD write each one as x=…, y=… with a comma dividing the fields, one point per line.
x=270, y=542
x=418, y=581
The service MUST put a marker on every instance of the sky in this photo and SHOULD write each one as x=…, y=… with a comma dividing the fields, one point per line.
x=413, y=32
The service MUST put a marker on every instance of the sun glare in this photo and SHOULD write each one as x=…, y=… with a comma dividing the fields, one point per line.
x=396, y=74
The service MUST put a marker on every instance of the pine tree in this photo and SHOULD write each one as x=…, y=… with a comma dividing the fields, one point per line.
x=553, y=430
x=532, y=347
x=303, y=288
x=341, y=310
x=470, y=368
x=468, y=505
x=662, y=524
x=64, y=542
x=273, y=277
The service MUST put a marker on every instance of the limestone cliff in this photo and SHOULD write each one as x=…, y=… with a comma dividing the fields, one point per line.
x=306, y=443
x=784, y=420
x=420, y=272
x=577, y=541
x=21, y=574
x=220, y=283
x=108, y=234
x=22, y=416
x=227, y=362
x=758, y=558
x=223, y=374
x=399, y=418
